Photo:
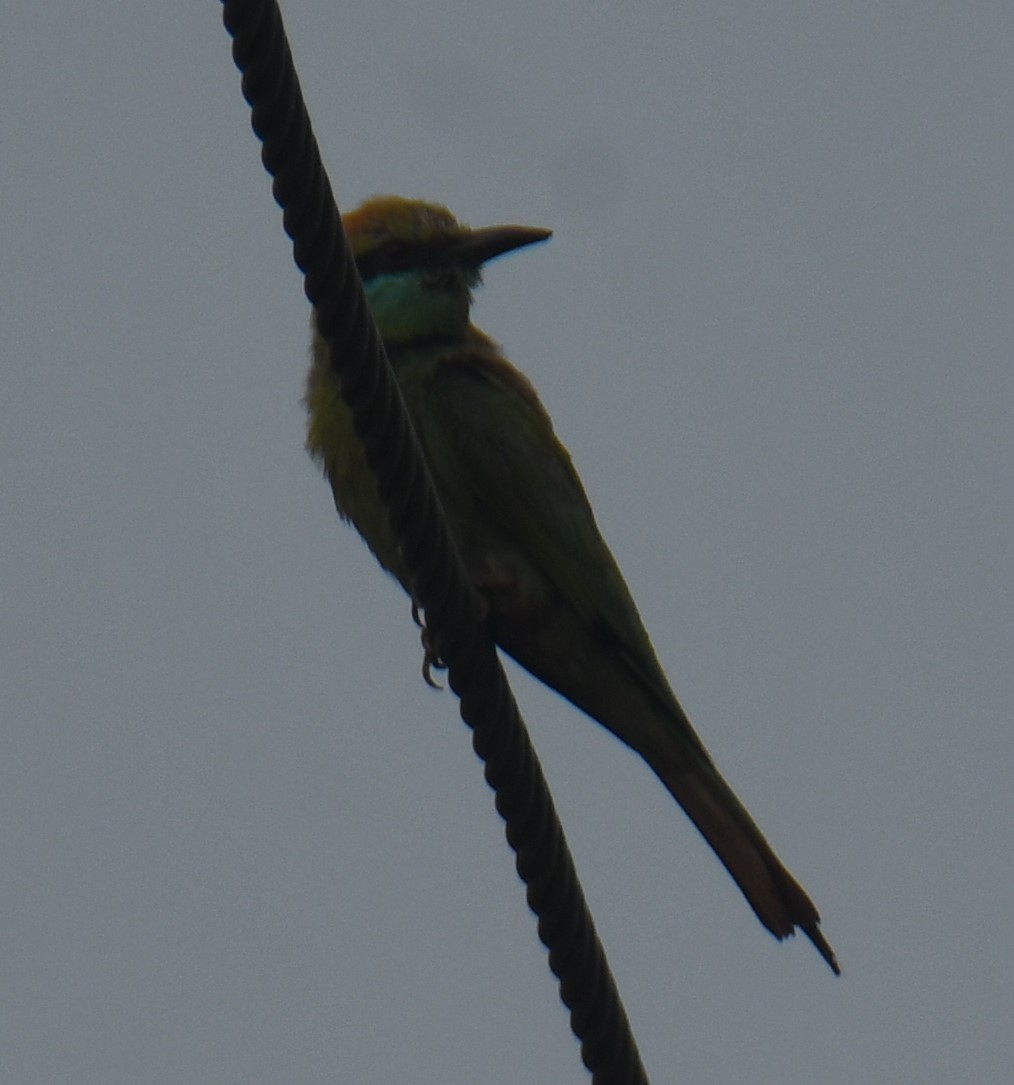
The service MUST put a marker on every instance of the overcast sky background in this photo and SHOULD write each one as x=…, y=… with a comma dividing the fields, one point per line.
x=242, y=843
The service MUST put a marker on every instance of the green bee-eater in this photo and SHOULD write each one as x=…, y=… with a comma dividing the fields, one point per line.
x=556, y=600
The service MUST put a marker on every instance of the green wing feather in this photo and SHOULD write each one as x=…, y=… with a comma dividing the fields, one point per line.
x=517, y=504
x=528, y=534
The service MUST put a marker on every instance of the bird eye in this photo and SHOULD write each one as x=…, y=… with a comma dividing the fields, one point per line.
x=391, y=256
x=439, y=278
x=395, y=254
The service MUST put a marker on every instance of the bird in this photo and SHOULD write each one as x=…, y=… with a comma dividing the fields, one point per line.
x=554, y=597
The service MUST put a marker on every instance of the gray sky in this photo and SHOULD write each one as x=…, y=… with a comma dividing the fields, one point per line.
x=242, y=842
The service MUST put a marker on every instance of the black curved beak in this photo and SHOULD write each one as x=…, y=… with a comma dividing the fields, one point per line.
x=475, y=247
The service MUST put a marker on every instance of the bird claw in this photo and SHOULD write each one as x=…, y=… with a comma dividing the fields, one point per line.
x=430, y=661
x=431, y=657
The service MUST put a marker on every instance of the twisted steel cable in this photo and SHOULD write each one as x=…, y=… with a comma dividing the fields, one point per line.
x=440, y=586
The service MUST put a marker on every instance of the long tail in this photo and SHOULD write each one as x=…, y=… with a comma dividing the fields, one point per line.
x=779, y=900
x=634, y=702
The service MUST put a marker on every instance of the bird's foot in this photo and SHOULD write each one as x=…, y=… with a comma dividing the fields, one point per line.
x=431, y=657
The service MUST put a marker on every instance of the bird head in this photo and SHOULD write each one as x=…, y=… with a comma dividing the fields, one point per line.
x=419, y=265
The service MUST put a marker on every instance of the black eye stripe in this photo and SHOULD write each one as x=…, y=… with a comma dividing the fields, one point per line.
x=394, y=256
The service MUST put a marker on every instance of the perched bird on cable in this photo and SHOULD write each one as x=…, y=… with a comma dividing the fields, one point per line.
x=555, y=599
